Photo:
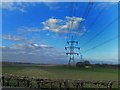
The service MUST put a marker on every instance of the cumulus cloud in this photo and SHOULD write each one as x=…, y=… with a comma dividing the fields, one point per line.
x=63, y=26
x=52, y=24
x=74, y=22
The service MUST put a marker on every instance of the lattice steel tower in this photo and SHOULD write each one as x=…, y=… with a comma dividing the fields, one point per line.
x=71, y=50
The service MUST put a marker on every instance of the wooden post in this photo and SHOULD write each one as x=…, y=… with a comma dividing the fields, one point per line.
x=51, y=85
x=66, y=85
x=82, y=85
x=28, y=83
x=110, y=86
x=18, y=84
x=77, y=86
x=30, y=86
x=97, y=86
x=60, y=85
x=41, y=83
x=107, y=86
x=3, y=81
x=7, y=82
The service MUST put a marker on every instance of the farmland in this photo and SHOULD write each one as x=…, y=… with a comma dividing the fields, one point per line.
x=59, y=75
x=61, y=72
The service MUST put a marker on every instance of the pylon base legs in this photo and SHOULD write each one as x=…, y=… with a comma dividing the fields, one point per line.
x=70, y=62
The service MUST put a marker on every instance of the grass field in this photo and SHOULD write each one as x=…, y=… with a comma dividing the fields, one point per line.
x=62, y=72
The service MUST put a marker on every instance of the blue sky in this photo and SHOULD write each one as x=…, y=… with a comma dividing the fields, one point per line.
x=30, y=26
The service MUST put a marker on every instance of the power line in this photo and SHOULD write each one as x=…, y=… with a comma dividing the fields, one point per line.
x=88, y=8
x=71, y=53
x=101, y=31
x=105, y=42
x=72, y=14
x=95, y=20
x=86, y=13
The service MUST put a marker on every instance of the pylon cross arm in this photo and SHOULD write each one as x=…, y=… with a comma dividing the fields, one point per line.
x=72, y=47
x=72, y=53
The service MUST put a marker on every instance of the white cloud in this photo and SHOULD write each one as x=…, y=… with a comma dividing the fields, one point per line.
x=19, y=46
x=28, y=30
x=34, y=45
x=25, y=53
x=60, y=0
x=52, y=5
x=104, y=5
x=45, y=46
x=11, y=6
x=16, y=38
x=22, y=5
x=74, y=22
x=21, y=42
x=3, y=47
x=52, y=24
x=12, y=37
x=63, y=26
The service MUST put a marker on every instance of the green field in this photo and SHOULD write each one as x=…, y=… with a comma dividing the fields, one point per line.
x=62, y=72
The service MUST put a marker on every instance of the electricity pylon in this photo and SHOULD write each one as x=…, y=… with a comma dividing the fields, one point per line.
x=71, y=51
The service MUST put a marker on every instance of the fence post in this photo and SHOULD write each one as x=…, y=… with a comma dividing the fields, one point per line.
x=18, y=84
x=66, y=85
x=82, y=85
x=51, y=85
x=38, y=83
x=109, y=85
x=7, y=82
x=77, y=86
x=97, y=86
x=60, y=85
x=3, y=81
x=41, y=83
x=28, y=83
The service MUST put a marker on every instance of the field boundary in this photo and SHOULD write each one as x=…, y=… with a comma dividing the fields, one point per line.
x=12, y=81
